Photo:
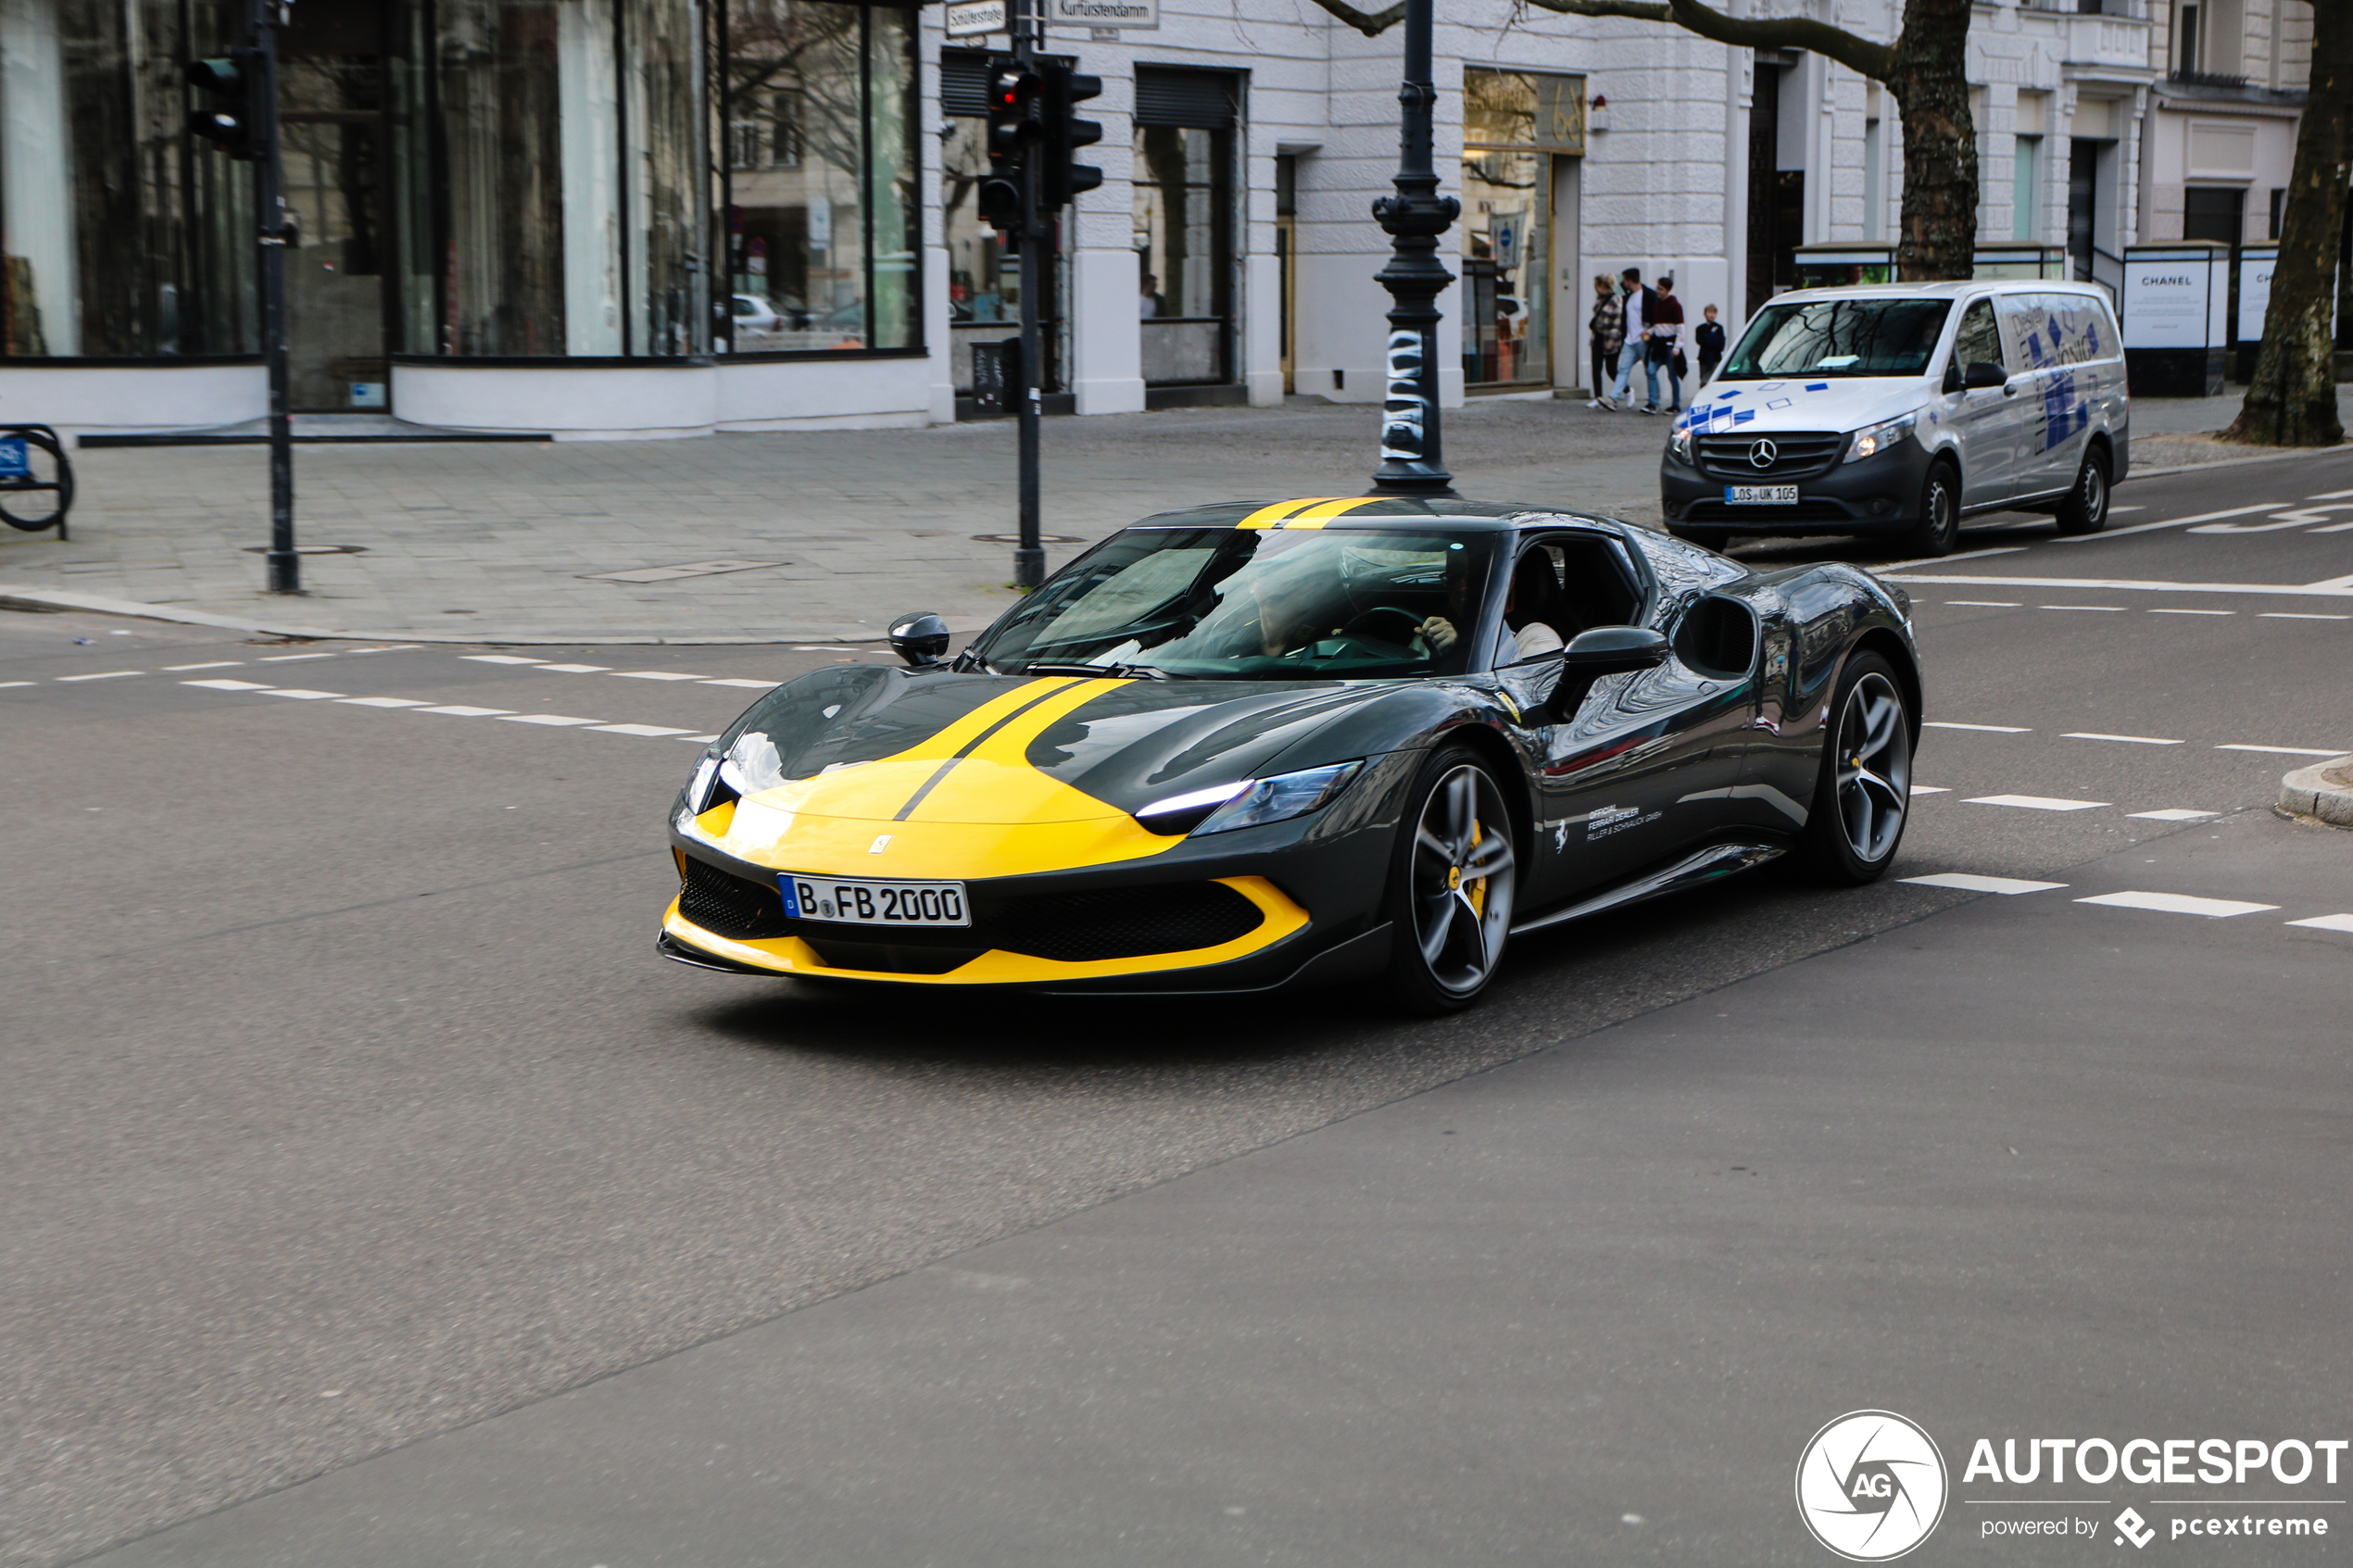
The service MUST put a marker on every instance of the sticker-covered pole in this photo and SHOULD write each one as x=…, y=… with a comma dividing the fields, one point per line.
x=1414, y=219
x=1029, y=555
x=277, y=233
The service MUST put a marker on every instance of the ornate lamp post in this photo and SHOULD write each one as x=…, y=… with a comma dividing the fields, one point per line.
x=1414, y=219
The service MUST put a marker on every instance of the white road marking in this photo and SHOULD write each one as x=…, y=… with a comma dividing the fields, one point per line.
x=558, y=720
x=1932, y=789
x=817, y=649
x=2108, y=609
x=2332, y=588
x=1968, y=883
x=106, y=675
x=2193, y=612
x=2172, y=814
x=299, y=695
x=383, y=701
x=2168, y=523
x=2135, y=740
x=1883, y=566
x=577, y=668
x=2034, y=802
x=229, y=686
x=2327, y=922
x=2284, y=750
x=291, y=657
x=1989, y=729
x=6, y=685
x=455, y=711
x=741, y=680
x=2177, y=904
x=651, y=731
x=705, y=739
x=215, y=664
x=657, y=676
x=2298, y=615
x=402, y=648
x=1987, y=604
x=499, y=658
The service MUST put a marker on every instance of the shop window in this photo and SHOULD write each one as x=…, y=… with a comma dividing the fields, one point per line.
x=1515, y=125
x=1184, y=225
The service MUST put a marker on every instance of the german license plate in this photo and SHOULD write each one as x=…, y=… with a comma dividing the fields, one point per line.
x=861, y=902
x=1760, y=495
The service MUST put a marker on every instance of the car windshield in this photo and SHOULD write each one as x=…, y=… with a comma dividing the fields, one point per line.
x=1256, y=604
x=1839, y=337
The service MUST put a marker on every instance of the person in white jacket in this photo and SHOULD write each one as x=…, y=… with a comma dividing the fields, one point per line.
x=1636, y=348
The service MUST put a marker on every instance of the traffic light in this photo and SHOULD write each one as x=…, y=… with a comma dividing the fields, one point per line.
x=228, y=118
x=1012, y=114
x=1064, y=89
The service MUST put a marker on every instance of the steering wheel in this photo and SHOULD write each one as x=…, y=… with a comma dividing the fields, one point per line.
x=1365, y=620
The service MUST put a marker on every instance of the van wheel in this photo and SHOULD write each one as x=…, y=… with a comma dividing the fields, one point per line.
x=1939, y=528
x=2086, y=509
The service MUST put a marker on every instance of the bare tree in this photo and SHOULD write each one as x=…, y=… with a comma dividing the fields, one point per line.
x=2291, y=399
x=1923, y=70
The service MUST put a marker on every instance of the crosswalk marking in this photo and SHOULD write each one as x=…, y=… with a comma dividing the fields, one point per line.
x=103, y=675
x=1969, y=881
x=383, y=701
x=2327, y=922
x=2171, y=814
x=2034, y=802
x=2177, y=904
x=2135, y=740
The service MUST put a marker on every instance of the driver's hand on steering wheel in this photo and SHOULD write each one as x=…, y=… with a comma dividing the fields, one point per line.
x=1438, y=633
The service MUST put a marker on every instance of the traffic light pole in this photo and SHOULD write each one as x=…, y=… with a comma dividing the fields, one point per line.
x=1414, y=217
x=1029, y=555
x=276, y=230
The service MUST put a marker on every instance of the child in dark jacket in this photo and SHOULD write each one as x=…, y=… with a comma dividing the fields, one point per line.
x=1710, y=341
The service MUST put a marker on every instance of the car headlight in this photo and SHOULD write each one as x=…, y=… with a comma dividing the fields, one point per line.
x=1878, y=438
x=1678, y=443
x=1249, y=803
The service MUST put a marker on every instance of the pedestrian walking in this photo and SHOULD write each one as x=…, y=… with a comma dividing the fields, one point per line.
x=1607, y=330
x=1636, y=343
x=1709, y=336
x=1665, y=319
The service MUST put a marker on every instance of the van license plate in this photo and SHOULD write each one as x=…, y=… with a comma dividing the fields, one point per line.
x=1760, y=495
x=863, y=902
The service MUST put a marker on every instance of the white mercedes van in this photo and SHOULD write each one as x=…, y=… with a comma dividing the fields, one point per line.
x=1901, y=408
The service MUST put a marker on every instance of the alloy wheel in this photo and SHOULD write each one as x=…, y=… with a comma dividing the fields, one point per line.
x=1874, y=768
x=1461, y=867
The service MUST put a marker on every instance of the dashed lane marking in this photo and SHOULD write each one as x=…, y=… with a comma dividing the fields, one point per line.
x=102, y=675
x=1932, y=789
x=291, y=657
x=1988, y=604
x=1989, y=729
x=223, y=686
x=2177, y=904
x=6, y=685
x=2287, y=750
x=2104, y=609
x=2132, y=740
x=2193, y=612
x=554, y=720
x=2036, y=802
x=657, y=676
x=649, y=731
x=2298, y=615
x=299, y=695
x=499, y=658
x=1969, y=883
x=744, y=682
x=383, y=701
x=2172, y=814
x=576, y=669
x=2327, y=922
x=2168, y=523
x=457, y=710
x=215, y=664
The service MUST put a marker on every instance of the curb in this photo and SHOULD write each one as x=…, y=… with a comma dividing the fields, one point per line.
x=2324, y=791
x=58, y=600
x=2282, y=455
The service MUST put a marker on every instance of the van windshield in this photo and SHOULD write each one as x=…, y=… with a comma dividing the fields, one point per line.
x=1839, y=337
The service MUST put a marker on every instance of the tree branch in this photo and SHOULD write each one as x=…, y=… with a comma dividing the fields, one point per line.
x=1874, y=60
x=1372, y=24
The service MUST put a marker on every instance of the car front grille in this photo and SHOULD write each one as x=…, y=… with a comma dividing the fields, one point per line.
x=1796, y=453
x=1125, y=922
x=1122, y=922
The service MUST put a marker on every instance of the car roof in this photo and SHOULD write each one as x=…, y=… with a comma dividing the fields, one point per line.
x=1952, y=288
x=1377, y=511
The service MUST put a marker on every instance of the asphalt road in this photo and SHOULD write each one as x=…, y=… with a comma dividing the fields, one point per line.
x=374, y=1196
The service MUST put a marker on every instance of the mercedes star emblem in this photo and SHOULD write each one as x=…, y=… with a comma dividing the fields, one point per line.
x=1761, y=454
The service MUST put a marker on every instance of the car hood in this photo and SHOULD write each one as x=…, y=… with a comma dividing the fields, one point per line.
x=877, y=744
x=1797, y=403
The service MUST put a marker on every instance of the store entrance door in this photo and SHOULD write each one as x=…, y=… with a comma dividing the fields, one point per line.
x=332, y=131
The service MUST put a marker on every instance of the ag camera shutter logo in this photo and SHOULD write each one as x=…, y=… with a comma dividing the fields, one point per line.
x=1871, y=1485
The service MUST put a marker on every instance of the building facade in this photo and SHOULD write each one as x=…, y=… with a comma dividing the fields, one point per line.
x=634, y=218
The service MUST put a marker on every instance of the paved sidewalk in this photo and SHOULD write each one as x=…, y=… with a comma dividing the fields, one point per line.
x=504, y=542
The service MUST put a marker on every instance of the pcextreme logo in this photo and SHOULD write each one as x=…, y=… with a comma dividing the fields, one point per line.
x=1870, y=1486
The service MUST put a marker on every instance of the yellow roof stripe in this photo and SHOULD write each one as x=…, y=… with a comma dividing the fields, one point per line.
x=1272, y=516
x=1316, y=516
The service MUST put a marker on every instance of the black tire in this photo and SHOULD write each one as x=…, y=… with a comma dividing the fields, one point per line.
x=1449, y=929
x=1705, y=538
x=1939, y=528
x=2086, y=509
x=1862, y=797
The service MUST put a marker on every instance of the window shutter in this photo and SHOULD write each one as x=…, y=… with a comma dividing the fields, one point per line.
x=1200, y=100
x=963, y=84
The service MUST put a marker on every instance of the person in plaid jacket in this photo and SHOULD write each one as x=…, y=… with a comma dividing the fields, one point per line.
x=1609, y=332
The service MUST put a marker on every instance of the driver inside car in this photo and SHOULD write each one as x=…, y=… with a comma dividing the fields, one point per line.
x=1527, y=605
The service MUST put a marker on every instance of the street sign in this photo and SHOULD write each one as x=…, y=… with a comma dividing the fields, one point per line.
x=15, y=462
x=1138, y=15
x=973, y=17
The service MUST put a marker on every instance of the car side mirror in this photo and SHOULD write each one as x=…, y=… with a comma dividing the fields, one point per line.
x=1985, y=373
x=1611, y=650
x=920, y=638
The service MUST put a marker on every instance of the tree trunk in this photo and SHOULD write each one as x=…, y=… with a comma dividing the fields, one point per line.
x=1929, y=81
x=2291, y=401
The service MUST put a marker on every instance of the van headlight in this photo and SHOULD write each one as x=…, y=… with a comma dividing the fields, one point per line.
x=1679, y=445
x=1878, y=438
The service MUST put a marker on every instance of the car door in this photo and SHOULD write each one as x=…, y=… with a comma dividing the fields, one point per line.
x=1985, y=418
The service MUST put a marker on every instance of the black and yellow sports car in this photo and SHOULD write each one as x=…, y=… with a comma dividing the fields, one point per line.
x=1249, y=746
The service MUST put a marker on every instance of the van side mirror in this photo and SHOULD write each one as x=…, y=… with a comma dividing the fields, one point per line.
x=1985, y=373
x=1953, y=378
x=920, y=638
x=1611, y=650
